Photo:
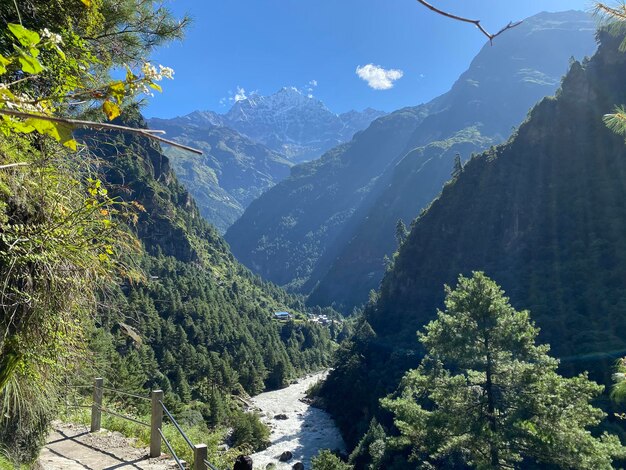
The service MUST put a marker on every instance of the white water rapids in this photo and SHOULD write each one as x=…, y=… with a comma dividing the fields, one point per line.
x=305, y=432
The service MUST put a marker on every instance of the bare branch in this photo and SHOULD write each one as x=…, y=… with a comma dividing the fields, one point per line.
x=467, y=20
x=149, y=133
x=11, y=165
x=603, y=9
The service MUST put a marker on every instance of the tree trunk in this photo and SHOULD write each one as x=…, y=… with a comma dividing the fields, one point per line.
x=491, y=408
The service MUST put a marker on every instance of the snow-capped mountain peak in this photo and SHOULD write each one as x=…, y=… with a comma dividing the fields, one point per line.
x=289, y=121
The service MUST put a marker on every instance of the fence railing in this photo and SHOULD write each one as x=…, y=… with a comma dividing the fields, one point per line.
x=200, y=451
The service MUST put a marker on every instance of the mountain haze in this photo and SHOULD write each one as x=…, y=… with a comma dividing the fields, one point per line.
x=328, y=227
x=480, y=110
x=231, y=172
x=252, y=147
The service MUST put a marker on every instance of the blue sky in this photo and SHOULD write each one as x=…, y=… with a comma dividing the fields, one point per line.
x=263, y=45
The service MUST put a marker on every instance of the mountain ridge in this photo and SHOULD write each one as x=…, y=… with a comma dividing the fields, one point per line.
x=543, y=215
x=298, y=126
x=299, y=245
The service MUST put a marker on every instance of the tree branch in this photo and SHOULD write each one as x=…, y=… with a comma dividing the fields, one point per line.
x=149, y=133
x=11, y=165
x=467, y=20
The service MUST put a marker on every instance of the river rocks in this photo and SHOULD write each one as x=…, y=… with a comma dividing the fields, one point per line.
x=298, y=466
x=270, y=466
x=299, y=431
x=286, y=456
x=281, y=416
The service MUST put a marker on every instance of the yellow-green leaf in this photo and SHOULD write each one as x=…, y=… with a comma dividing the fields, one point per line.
x=111, y=110
x=26, y=37
x=156, y=87
x=130, y=76
x=87, y=3
x=3, y=64
x=45, y=127
x=60, y=132
x=29, y=63
x=117, y=90
x=72, y=144
x=59, y=51
x=15, y=125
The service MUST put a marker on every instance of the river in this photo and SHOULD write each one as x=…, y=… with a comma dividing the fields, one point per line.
x=305, y=432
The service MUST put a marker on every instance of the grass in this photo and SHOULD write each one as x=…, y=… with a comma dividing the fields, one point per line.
x=6, y=464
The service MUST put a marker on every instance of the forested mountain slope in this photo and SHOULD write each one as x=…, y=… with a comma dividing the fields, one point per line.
x=283, y=233
x=544, y=215
x=205, y=321
x=231, y=173
x=333, y=221
x=491, y=97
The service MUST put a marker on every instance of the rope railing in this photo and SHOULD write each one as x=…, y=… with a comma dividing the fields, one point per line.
x=128, y=418
x=177, y=426
x=208, y=464
x=156, y=422
x=119, y=392
x=169, y=446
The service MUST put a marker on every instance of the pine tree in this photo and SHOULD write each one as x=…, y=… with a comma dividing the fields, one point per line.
x=487, y=396
x=457, y=169
x=401, y=232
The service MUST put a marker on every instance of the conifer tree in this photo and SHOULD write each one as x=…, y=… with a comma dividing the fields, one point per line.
x=457, y=169
x=401, y=232
x=487, y=396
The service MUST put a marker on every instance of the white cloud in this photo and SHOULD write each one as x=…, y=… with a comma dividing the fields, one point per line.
x=313, y=83
x=377, y=77
x=240, y=95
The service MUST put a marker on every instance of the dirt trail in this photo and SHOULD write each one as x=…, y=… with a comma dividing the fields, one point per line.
x=72, y=447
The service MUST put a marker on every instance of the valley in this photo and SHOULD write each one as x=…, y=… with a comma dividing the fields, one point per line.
x=437, y=281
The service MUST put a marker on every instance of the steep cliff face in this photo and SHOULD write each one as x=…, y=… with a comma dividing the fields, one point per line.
x=544, y=215
x=329, y=232
x=231, y=173
x=283, y=233
x=201, y=315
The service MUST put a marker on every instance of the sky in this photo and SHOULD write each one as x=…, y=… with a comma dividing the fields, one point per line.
x=350, y=54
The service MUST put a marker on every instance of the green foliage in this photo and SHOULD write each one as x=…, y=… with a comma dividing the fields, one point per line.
x=487, y=396
x=618, y=391
x=457, y=169
x=232, y=172
x=553, y=238
x=401, y=232
x=370, y=451
x=27, y=407
x=326, y=460
x=249, y=430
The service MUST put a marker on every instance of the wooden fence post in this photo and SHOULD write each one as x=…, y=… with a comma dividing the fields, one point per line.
x=199, y=456
x=155, y=423
x=96, y=407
